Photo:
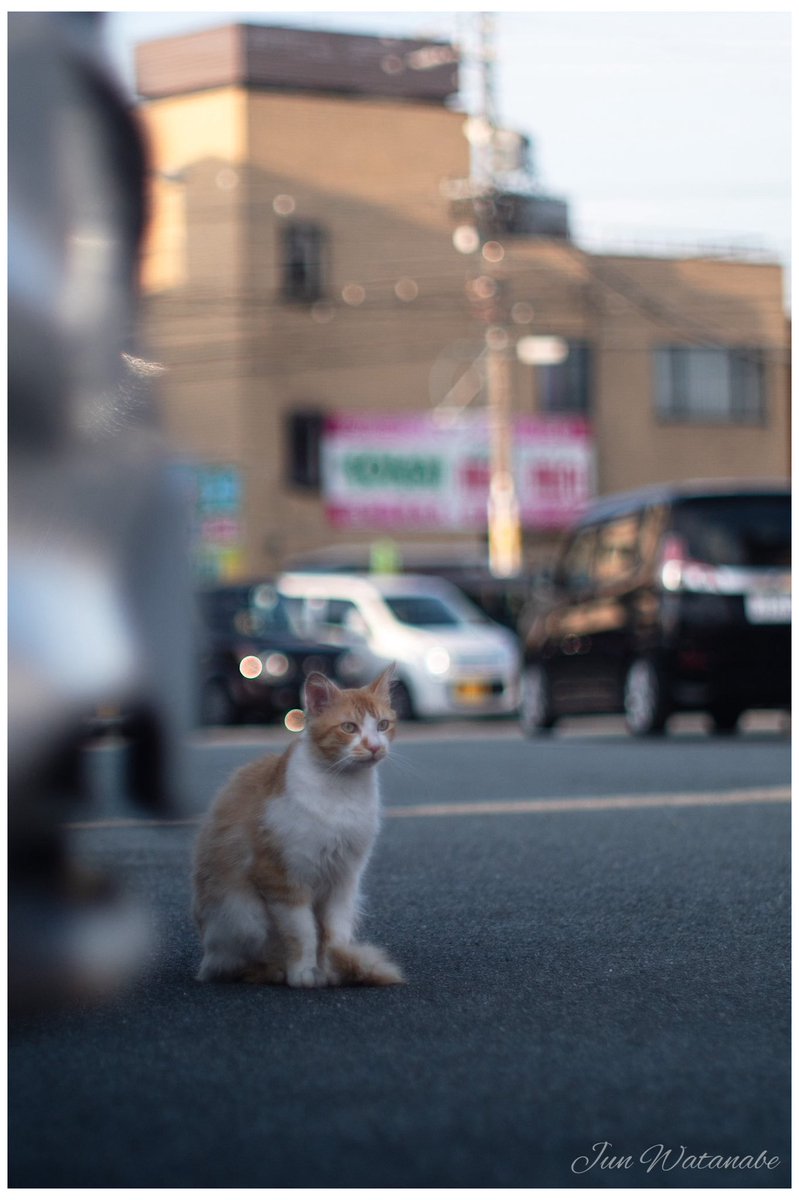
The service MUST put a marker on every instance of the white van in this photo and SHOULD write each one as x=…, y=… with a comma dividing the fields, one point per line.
x=451, y=658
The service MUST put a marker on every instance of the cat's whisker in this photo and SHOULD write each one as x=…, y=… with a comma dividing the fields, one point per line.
x=338, y=768
x=403, y=763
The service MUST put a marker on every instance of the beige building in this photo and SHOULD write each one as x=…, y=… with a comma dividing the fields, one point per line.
x=301, y=265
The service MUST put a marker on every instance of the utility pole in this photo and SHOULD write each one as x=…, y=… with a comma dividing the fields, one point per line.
x=504, y=526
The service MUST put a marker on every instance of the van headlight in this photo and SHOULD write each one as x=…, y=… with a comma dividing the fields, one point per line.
x=437, y=661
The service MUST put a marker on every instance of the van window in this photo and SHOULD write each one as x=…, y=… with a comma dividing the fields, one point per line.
x=575, y=570
x=422, y=611
x=338, y=611
x=736, y=531
x=653, y=522
x=344, y=614
x=616, y=557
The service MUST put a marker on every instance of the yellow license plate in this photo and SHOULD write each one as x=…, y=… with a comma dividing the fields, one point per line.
x=471, y=692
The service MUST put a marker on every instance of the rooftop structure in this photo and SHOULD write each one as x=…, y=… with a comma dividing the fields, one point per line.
x=270, y=57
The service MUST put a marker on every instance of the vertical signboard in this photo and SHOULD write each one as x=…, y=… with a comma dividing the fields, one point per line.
x=213, y=496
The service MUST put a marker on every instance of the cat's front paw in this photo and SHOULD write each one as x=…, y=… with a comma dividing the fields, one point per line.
x=306, y=977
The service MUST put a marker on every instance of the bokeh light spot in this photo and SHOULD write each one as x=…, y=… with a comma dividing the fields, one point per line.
x=406, y=289
x=522, y=312
x=466, y=239
x=322, y=312
x=392, y=64
x=482, y=288
x=353, y=293
x=294, y=720
x=251, y=666
x=497, y=338
x=277, y=665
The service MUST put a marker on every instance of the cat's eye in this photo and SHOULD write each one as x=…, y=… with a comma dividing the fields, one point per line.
x=383, y=725
x=349, y=727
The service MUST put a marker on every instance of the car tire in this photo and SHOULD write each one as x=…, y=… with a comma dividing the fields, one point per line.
x=402, y=702
x=218, y=706
x=646, y=707
x=536, y=714
x=725, y=718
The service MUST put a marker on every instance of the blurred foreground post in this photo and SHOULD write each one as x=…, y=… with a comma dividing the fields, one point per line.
x=99, y=605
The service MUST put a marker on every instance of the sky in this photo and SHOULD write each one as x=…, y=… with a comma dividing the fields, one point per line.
x=663, y=130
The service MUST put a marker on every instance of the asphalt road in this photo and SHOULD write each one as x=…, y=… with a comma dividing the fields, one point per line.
x=595, y=934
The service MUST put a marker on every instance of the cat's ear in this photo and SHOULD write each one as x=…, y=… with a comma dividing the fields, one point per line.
x=382, y=685
x=320, y=692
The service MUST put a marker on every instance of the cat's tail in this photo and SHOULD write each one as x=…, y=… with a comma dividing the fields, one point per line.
x=362, y=965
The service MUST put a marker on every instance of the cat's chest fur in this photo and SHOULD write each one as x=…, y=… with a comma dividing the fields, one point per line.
x=324, y=823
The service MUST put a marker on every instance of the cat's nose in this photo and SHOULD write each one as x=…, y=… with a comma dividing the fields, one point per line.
x=374, y=748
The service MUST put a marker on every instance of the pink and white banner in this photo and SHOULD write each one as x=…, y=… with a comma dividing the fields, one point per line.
x=410, y=472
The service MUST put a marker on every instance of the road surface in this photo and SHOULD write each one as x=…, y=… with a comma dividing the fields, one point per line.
x=595, y=934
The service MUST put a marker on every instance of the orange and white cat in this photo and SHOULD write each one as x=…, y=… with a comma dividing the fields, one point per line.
x=280, y=857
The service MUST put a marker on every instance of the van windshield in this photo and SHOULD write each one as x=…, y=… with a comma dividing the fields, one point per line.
x=422, y=611
x=736, y=531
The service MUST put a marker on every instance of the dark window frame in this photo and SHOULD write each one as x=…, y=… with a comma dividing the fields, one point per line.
x=566, y=389
x=676, y=398
x=304, y=256
x=304, y=431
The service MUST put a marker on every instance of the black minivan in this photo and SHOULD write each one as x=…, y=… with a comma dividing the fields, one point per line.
x=673, y=598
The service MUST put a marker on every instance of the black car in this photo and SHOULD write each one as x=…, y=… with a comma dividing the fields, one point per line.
x=254, y=663
x=664, y=600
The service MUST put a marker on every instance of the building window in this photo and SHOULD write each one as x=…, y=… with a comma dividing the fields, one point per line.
x=304, y=249
x=694, y=383
x=566, y=387
x=304, y=438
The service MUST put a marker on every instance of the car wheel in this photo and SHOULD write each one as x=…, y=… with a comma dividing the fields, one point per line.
x=725, y=718
x=646, y=707
x=218, y=706
x=536, y=714
x=401, y=702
